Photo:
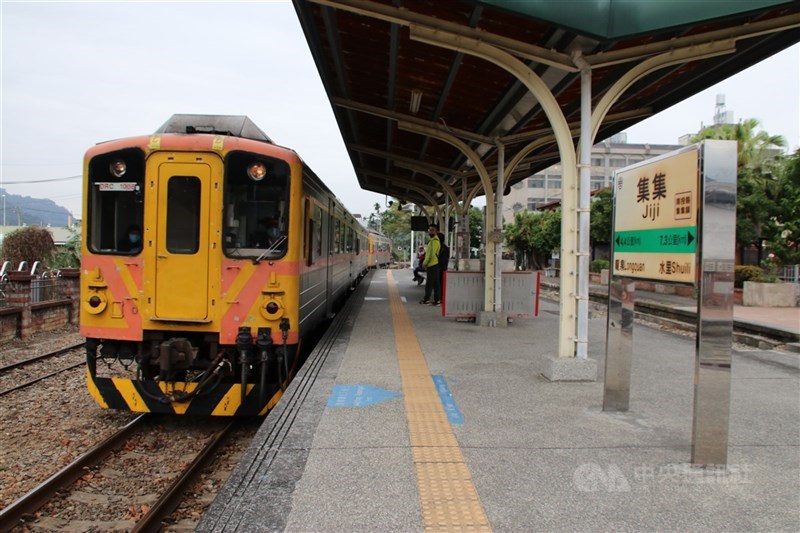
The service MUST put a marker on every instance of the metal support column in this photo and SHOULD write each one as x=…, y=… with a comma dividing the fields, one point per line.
x=585, y=169
x=497, y=234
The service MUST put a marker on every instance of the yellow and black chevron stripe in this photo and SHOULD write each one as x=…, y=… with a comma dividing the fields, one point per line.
x=150, y=397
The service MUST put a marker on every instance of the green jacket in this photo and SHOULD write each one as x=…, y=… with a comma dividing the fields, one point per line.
x=432, y=253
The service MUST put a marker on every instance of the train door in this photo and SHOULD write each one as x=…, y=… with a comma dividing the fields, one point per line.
x=181, y=236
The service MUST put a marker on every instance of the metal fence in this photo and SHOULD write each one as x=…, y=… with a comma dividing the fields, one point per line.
x=44, y=289
x=789, y=274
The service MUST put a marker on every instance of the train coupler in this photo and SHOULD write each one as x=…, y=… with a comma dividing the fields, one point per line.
x=175, y=354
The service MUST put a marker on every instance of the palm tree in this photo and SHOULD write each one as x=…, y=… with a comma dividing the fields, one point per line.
x=757, y=185
x=755, y=147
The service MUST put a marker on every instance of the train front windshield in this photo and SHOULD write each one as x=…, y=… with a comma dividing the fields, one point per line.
x=256, y=197
x=116, y=202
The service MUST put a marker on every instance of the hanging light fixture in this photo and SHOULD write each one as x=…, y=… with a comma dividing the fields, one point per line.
x=416, y=98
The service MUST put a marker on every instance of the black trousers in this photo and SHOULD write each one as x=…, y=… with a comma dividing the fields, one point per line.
x=433, y=284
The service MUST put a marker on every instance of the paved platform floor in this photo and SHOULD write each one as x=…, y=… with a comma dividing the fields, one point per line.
x=786, y=317
x=341, y=453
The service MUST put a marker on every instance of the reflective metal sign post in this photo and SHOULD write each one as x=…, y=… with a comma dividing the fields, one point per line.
x=619, y=345
x=712, y=377
x=674, y=222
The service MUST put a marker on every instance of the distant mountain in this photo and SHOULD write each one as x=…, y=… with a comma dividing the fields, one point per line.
x=27, y=211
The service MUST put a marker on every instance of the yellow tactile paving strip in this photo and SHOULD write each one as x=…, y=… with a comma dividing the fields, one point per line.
x=448, y=499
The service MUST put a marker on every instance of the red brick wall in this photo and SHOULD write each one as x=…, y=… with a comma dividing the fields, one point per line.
x=22, y=319
x=50, y=316
x=9, y=324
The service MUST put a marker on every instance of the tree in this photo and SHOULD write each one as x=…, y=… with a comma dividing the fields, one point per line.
x=475, y=228
x=758, y=162
x=374, y=221
x=534, y=236
x=396, y=224
x=31, y=244
x=69, y=256
x=783, y=228
x=602, y=208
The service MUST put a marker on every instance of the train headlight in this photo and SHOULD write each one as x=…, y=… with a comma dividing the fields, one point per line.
x=118, y=168
x=272, y=310
x=257, y=171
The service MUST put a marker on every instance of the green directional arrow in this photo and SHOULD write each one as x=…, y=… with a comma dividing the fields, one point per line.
x=681, y=240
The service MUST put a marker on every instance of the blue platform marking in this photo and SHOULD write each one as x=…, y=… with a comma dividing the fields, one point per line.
x=453, y=414
x=359, y=395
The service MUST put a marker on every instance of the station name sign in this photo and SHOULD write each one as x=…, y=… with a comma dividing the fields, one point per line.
x=655, y=218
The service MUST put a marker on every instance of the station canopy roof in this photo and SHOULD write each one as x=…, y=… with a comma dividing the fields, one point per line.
x=388, y=86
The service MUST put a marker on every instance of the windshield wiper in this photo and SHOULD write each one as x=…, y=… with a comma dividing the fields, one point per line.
x=273, y=248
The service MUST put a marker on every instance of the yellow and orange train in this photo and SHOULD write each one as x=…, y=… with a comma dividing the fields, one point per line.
x=208, y=253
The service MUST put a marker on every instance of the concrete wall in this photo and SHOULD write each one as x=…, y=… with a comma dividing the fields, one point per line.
x=771, y=294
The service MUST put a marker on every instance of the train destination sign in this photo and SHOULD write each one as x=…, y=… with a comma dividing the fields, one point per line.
x=655, y=218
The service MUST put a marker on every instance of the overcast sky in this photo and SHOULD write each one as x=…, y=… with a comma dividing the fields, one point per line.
x=78, y=73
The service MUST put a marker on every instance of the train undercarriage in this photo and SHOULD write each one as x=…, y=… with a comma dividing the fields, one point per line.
x=191, y=373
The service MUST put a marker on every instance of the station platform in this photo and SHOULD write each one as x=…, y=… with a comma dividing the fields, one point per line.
x=402, y=420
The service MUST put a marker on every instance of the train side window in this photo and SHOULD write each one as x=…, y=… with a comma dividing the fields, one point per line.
x=337, y=237
x=351, y=246
x=183, y=215
x=310, y=243
x=318, y=233
x=115, y=189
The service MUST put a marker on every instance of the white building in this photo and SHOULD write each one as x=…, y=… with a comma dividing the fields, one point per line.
x=545, y=187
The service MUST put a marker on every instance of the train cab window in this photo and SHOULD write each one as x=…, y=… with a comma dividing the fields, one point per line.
x=115, y=190
x=183, y=215
x=256, y=197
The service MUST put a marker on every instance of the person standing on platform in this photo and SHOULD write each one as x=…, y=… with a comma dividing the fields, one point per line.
x=433, y=287
x=418, y=268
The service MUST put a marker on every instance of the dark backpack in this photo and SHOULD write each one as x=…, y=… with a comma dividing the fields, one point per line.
x=444, y=254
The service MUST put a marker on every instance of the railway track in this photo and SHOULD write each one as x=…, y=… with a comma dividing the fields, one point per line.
x=10, y=368
x=22, y=513
x=54, y=353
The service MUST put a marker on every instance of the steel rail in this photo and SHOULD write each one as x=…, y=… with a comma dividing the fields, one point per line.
x=168, y=502
x=12, y=515
x=40, y=378
x=39, y=357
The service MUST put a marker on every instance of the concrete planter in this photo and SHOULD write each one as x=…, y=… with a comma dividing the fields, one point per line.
x=770, y=294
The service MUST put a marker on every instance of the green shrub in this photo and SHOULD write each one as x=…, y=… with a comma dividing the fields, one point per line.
x=69, y=256
x=598, y=264
x=747, y=273
x=31, y=244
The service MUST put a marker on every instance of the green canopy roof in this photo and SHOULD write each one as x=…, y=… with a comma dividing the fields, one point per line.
x=615, y=19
